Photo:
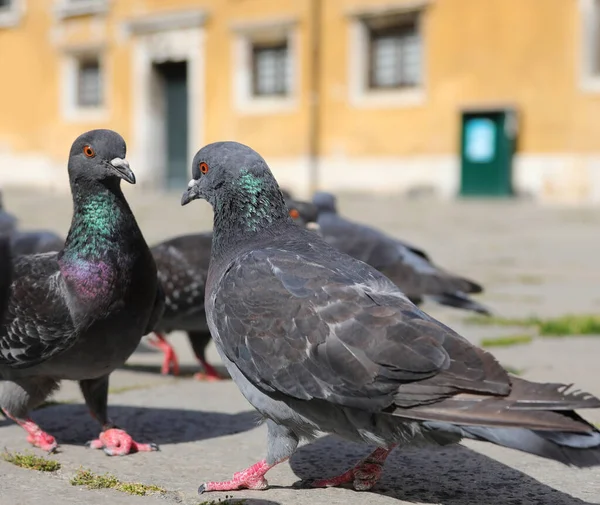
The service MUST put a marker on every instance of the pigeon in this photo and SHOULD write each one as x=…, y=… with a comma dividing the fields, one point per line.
x=182, y=265
x=320, y=342
x=80, y=313
x=5, y=273
x=8, y=222
x=35, y=242
x=406, y=265
x=27, y=242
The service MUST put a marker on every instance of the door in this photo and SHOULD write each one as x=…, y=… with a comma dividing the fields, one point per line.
x=487, y=150
x=175, y=96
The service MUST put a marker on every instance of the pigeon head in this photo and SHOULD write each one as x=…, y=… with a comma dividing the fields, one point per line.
x=99, y=155
x=325, y=202
x=230, y=170
x=303, y=213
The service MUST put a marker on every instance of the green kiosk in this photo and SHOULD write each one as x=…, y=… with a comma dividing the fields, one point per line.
x=488, y=142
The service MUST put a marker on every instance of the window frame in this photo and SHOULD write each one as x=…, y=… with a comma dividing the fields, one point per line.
x=257, y=46
x=80, y=63
x=361, y=22
x=400, y=30
x=71, y=108
x=275, y=32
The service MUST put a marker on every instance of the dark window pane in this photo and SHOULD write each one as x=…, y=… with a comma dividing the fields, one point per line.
x=89, y=89
x=270, y=69
x=5, y=3
x=395, y=55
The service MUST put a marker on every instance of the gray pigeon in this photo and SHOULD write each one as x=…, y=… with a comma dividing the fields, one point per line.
x=8, y=222
x=35, y=242
x=182, y=264
x=5, y=274
x=79, y=314
x=318, y=341
x=407, y=266
x=27, y=242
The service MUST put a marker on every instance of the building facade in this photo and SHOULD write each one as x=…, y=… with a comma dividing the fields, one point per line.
x=360, y=95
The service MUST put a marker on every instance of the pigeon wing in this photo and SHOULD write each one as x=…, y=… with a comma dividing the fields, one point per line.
x=307, y=330
x=37, y=324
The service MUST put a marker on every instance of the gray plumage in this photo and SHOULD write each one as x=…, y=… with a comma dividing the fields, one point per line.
x=8, y=222
x=27, y=242
x=182, y=263
x=80, y=313
x=5, y=273
x=409, y=267
x=318, y=341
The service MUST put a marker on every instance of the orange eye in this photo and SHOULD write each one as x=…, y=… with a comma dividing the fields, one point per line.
x=89, y=152
x=203, y=167
x=294, y=214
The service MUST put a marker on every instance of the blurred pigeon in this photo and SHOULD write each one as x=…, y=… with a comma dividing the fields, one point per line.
x=79, y=314
x=318, y=341
x=407, y=266
x=5, y=273
x=27, y=242
x=35, y=242
x=8, y=222
x=182, y=265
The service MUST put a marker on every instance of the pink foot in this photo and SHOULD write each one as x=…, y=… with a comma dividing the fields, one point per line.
x=170, y=357
x=251, y=478
x=35, y=435
x=362, y=477
x=117, y=442
x=210, y=373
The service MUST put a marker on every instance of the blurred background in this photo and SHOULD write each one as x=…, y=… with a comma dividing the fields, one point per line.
x=439, y=97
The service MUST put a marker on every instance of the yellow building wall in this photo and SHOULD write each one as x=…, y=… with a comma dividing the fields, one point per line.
x=514, y=52
x=477, y=53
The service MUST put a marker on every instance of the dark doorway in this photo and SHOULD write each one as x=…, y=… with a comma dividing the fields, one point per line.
x=175, y=96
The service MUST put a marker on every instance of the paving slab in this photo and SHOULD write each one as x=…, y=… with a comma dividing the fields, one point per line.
x=532, y=261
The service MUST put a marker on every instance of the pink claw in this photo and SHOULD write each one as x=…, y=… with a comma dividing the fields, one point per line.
x=362, y=477
x=35, y=435
x=251, y=478
x=210, y=373
x=117, y=442
x=170, y=357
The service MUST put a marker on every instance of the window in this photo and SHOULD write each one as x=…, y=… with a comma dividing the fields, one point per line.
x=270, y=69
x=11, y=12
x=394, y=58
x=83, y=92
x=265, y=66
x=89, y=82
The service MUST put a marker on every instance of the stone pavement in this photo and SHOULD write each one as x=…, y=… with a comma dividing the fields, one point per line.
x=532, y=260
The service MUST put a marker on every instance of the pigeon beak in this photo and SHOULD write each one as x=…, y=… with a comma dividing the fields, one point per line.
x=191, y=193
x=122, y=170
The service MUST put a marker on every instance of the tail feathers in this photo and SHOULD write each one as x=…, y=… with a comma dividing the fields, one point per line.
x=575, y=449
x=460, y=300
x=531, y=405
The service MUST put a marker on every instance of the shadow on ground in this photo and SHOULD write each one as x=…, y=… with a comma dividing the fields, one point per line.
x=185, y=371
x=72, y=424
x=453, y=475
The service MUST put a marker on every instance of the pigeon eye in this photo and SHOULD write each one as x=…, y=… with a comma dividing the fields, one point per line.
x=89, y=152
x=294, y=214
x=203, y=167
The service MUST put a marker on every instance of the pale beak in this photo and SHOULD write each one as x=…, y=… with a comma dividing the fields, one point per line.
x=313, y=227
x=191, y=193
x=121, y=168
